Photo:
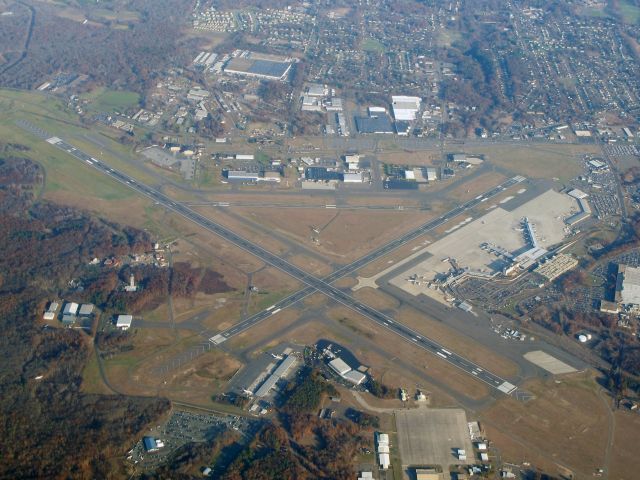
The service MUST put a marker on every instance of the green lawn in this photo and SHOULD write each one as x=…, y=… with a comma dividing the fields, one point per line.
x=630, y=13
x=105, y=100
x=372, y=45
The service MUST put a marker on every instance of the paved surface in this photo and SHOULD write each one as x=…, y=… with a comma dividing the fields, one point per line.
x=432, y=437
x=313, y=283
x=549, y=363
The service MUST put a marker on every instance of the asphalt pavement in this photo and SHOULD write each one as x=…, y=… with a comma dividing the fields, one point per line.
x=313, y=283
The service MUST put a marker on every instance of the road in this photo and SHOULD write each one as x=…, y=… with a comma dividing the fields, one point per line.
x=313, y=283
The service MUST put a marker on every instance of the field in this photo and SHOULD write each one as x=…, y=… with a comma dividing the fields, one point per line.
x=342, y=235
x=563, y=427
x=548, y=161
x=625, y=462
x=136, y=372
x=372, y=45
x=630, y=13
x=105, y=100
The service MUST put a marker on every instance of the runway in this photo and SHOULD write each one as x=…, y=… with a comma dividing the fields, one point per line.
x=313, y=283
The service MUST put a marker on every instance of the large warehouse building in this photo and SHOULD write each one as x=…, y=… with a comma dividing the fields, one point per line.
x=405, y=108
x=252, y=65
x=628, y=285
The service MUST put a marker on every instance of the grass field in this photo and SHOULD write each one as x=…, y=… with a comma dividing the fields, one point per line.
x=372, y=45
x=630, y=13
x=105, y=100
x=565, y=426
x=546, y=161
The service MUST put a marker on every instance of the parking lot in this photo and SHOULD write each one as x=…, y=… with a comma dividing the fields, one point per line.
x=184, y=427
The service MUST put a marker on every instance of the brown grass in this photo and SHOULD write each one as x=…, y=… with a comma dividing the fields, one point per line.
x=565, y=425
x=457, y=342
x=625, y=462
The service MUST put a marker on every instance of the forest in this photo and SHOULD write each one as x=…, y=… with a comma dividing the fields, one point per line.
x=49, y=427
x=123, y=55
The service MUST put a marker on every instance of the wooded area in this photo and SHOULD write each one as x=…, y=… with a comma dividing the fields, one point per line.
x=49, y=428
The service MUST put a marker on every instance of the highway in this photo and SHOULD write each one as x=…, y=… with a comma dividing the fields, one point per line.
x=313, y=283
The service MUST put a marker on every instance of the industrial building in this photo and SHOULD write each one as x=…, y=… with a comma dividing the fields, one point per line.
x=71, y=308
x=628, y=285
x=86, y=309
x=317, y=90
x=382, y=446
x=243, y=176
x=123, y=322
x=341, y=368
x=432, y=174
x=370, y=125
x=252, y=66
x=583, y=214
x=152, y=444
x=276, y=375
x=405, y=108
x=352, y=177
x=322, y=173
x=556, y=266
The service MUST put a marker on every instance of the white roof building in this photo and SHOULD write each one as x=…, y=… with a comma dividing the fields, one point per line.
x=629, y=285
x=49, y=315
x=405, y=108
x=384, y=460
x=432, y=174
x=124, y=322
x=86, y=309
x=576, y=193
x=71, y=308
x=383, y=439
x=339, y=366
x=355, y=377
x=353, y=177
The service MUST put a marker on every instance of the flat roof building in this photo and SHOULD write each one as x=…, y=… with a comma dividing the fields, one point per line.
x=355, y=377
x=71, y=308
x=242, y=175
x=86, y=309
x=49, y=315
x=556, y=266
x=123, y=322
x=352, y=177
x=339, y=366
x=150, y=444
x=405, y=108
x=628, y=285
x=277, y=374
x=379, y=124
